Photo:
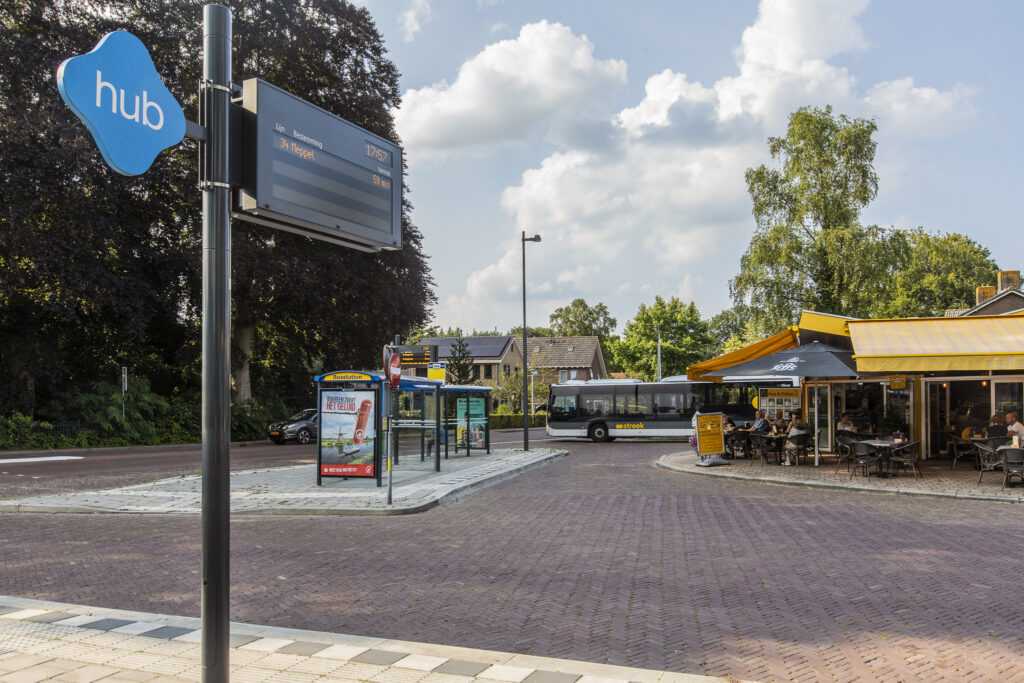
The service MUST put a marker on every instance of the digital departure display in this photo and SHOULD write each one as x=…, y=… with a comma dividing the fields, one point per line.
x=308, y=171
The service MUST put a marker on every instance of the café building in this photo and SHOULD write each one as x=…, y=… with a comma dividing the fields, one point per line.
x=926, y=377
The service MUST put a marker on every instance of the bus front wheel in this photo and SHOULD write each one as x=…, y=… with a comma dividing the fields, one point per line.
x=598, y=432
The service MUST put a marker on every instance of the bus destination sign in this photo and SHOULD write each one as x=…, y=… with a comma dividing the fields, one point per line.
x=417, y=356
x=307, y=171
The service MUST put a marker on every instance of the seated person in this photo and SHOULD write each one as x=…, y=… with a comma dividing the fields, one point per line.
x=797, y=427
x=778, y=424
x=760, y=423
x=845, y=424
x=1014, y=427
x=727, y=424
x=996, y=426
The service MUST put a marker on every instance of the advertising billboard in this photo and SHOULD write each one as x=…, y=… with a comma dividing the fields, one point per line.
x=710, y=439
x=348, y=433
x=471, y=432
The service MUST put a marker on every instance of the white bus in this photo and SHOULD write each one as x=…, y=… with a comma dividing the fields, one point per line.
x=603, y=410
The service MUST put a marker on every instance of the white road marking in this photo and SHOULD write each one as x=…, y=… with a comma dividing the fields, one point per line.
x=15, y=461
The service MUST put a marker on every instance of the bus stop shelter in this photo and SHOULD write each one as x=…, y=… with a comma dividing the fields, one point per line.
x=352, y=438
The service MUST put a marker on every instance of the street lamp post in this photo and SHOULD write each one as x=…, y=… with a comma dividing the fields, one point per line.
x=533, y=373
x=526, y=415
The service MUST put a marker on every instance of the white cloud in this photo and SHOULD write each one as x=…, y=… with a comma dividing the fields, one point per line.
x=416, y=11
x=665, y=202
x=507, y=92
x=905, y=109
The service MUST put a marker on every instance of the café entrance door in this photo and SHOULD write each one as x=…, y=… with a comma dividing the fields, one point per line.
x=938, y=418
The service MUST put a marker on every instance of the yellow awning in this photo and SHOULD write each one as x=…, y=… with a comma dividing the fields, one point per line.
x=939, y=344
x=779, y=342
x=824, y=322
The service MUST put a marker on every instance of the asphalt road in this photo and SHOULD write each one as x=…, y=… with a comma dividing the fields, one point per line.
x=32, y=474
x=597, y=556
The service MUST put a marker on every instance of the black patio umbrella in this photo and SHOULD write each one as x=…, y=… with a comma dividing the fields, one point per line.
x=815, y=360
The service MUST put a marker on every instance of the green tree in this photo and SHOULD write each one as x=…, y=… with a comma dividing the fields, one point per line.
x=684, y=339
x=459, y=370
x=531, y=332
x=579, y=319
x=809, y=249
x=935, y=272
x=99, y=271
x=509, y=389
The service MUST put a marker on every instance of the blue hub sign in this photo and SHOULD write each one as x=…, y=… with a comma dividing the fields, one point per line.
x=118, y=94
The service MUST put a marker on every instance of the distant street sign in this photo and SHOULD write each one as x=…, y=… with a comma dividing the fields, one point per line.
x=118, y=94
x=436, y=371
x=394, y=370
x=308, y=171
x=417, y=356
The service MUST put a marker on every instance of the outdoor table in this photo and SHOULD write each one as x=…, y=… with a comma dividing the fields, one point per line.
x=884, y=454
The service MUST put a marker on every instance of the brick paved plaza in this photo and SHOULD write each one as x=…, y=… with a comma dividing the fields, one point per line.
x=597, y=556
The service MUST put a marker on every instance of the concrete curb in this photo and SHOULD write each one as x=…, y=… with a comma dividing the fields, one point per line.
x=274, y=639
x=451, y=495
x=114, y=450
x=856, y=488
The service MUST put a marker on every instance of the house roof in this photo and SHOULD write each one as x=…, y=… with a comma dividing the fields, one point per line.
x=565, y=352
x=980, y=308
x=479, y=347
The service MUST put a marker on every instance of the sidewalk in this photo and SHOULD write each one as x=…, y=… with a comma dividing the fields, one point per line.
x=937, y=479
x=55, y=641
x=293, y=490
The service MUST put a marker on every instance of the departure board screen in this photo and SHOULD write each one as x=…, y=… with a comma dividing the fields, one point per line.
x=314, y=173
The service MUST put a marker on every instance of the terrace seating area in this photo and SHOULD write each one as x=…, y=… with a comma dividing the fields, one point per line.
x=982, y=470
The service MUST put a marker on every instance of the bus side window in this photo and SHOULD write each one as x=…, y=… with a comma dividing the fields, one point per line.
x=563, y=407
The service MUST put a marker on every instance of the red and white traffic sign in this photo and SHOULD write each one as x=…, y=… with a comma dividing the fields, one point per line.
x=394, y=369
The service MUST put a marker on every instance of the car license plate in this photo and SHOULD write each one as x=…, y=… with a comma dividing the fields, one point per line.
x=275, y=433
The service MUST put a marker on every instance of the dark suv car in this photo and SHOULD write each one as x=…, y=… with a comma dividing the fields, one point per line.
x=301, y=427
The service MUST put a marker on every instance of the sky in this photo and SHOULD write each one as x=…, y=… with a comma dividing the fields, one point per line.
x=620, y=132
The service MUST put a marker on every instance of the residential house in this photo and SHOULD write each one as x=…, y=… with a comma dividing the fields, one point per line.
x=559, y=359
x=493, y=357
x=1006, y=298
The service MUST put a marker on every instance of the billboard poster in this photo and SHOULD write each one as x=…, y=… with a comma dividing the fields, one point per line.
x=710, y=439
x=347, y=433
x=471, y=433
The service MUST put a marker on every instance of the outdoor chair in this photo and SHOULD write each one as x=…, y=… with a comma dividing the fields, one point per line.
x=1013, y=464
x=989, y=460
x=864, y=457
x=844, y=450
x=737, y=444
x=958, y=448
x=905, y=455
x=757, y=448
x=800, y=443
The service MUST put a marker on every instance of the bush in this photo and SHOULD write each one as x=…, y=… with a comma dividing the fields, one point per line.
x=513, y=421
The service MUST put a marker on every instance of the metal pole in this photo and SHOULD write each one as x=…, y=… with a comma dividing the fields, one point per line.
x=216, y=419
x=526, y=417
x=817, y=455
x=437, y=430
x=394, y=430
